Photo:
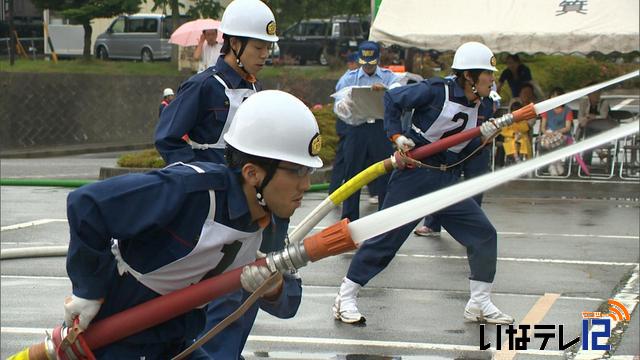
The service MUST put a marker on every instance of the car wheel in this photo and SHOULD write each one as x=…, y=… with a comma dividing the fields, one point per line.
x=102, y=53
x=146, y=56
x=322, y=59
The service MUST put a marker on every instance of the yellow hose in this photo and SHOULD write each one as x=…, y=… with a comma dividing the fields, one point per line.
x=357, y=182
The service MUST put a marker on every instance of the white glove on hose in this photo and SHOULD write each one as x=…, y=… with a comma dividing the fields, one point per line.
x=85, y=309
x=404, y=143
x=253, y=276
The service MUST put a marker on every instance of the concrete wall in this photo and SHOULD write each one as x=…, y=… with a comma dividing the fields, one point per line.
x=54, y=111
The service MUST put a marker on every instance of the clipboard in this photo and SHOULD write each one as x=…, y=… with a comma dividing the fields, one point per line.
x=367, y=103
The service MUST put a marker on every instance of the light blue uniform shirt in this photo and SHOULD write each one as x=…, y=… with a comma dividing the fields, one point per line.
x=359, y=78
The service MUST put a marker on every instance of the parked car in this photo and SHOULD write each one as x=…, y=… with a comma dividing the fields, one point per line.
x=315, y=39
x=142, y=37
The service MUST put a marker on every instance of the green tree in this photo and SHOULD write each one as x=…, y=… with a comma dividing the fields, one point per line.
x=82, y=11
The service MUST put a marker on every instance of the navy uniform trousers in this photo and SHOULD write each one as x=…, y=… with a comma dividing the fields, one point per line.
x=365, y=145
x=475, y=166
x=465, y=221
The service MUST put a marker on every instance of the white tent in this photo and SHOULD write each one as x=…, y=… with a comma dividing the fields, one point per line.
x=529, y=26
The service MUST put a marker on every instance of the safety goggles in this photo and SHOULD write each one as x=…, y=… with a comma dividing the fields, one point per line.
x=301, y=170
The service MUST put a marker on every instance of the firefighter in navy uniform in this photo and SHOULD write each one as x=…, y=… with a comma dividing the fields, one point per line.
x=442, y=107
x=139, y=236
x=205, y=104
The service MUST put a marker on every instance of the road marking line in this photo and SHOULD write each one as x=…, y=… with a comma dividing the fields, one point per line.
x=534, y=316
x=529, y=260
x=323, y=341
x=31, y=223
x=622, y=103
x=633, y=237
x=628, y=296
x=333, y=289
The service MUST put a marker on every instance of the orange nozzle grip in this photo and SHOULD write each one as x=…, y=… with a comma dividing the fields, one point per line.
x=524, y=113
x=333, y=240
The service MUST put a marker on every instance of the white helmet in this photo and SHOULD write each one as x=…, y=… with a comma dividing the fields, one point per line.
x=276, y=125
x=474, y=55
x=167, y=92
x=249, y=18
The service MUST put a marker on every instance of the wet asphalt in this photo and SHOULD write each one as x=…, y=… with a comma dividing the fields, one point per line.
x=573, y=242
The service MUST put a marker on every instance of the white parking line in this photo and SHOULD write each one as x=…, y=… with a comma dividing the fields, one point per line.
x=364, y=344
x=331, y=290
x=622, y=104
x=31, y=223
x=529, y=260
x=632, y=237
x=627, y=296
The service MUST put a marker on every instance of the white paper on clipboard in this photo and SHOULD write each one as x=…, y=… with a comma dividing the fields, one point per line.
x=367, y=103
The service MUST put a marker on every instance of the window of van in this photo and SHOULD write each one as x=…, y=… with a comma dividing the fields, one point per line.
x=142, y=25
x=118, y=26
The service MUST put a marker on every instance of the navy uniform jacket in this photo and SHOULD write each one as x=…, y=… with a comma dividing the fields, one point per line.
x=426, y=98
x=200, y=110
x=158, y=217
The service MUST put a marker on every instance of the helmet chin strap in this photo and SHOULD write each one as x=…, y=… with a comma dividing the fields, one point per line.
x=474, y=89
x=271, y=171
x=243, y=46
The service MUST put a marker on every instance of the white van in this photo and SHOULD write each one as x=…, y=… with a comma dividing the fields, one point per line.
x=142, y=37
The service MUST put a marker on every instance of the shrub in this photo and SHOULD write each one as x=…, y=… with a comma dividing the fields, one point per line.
x=142, y=159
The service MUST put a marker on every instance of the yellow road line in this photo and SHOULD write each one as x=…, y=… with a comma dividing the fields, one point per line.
x=534, y=316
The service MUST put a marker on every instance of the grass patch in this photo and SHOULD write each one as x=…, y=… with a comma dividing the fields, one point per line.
x=164, y=68
x=94, y=66
x=326, y=121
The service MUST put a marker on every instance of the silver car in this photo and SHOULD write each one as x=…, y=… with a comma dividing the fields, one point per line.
x=142, y=37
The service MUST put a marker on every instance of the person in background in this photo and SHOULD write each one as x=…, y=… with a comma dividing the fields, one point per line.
x=167, y=97
x=337, y=172
x=593, y=118
x=342, y=128
x=208, y=49
x=516, y=140
x=516, y=74
x=365, y=143
x=352, y=61
x=557, y=122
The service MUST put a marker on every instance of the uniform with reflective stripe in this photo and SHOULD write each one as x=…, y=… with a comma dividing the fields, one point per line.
x=158, y=219
x=465, y=221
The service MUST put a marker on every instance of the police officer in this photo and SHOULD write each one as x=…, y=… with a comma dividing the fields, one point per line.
x=442, y=107
x=206, y=103
x=136, y=236
x=365, y=142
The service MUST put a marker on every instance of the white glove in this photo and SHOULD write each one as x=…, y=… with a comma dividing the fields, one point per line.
x=404, y=143
x=253, y=276
x=495, y=96
x=85, y=309
x=343, y=108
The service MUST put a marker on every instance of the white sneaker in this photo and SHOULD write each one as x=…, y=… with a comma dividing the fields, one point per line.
x=481, y=309
x=345, y=307
x=474, y=314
